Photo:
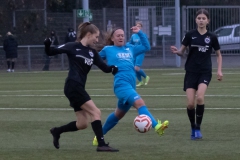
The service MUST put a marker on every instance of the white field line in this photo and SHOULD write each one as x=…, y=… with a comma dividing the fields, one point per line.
x=49, y=95
x=111, y=109
x=106, y=89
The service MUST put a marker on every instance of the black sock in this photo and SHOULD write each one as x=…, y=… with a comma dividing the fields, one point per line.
x=97, y=128
x=191, y=116
x=70, y=127
x=13, y=63
x=199, y=115
x=8, y=64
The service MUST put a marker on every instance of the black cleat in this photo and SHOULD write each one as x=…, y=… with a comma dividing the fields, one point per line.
x=106, y=148
x=56, y=137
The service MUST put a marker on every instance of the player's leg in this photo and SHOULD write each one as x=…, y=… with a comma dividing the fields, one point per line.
x=139, y=104
x=113, y=118
x=190, y=93
x=8, y=65
x=81, y=123
x=203, y=82
x=139, y=77
x=95, y=114
x=13, y=64
x=191, y=86
x=139, y=62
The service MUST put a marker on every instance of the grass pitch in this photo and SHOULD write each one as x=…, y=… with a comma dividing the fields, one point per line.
x=33, y=102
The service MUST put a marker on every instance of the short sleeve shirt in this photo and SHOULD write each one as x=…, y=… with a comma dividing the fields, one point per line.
x=200, y=50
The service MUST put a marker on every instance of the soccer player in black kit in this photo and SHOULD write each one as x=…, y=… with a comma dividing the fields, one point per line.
x=81, y=58
x=198, y=68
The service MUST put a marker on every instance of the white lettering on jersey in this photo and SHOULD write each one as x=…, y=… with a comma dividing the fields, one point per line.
x=124, y=56
x=201, y=48
x=61, y=46
x=194, y=37
x=87, y=60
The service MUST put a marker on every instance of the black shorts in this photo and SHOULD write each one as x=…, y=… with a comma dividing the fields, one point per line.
x=76, y=94
x=192, y=80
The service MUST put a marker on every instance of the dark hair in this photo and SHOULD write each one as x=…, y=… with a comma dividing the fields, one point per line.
x=84, y=28
x=109, y=36
x=203, y=11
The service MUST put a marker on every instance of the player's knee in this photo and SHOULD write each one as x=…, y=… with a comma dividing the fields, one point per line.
x=190, y=106
x=119, y=114
x=139, y=103
x=200, y=100
x=82, y=124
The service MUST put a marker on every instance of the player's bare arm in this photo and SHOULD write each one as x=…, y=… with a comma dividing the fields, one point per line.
x=178, y=52
x=219, y=61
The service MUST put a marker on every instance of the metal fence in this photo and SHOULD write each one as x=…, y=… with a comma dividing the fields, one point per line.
x=33, y=57
x=154, y=14
x=224, y=22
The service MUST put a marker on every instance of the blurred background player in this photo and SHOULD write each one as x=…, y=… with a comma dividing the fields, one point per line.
x=118, y=53
x=54, y=41
x=198, y=68
x=81, y=58
x=135, y=40
x=70, y=36
x=10, y=46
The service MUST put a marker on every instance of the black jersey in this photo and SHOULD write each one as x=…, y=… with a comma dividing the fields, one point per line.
x=200, y=50
x=81, y=59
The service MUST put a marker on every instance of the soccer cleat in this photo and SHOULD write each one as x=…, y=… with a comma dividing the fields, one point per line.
x=95, y=142
x=12, y=70
x=147, y=80
x=9, y=70
x=106, y=148
x=140, y=84
x=193, y=134
x=198, y=134
x=160, y=127
x=56, y=138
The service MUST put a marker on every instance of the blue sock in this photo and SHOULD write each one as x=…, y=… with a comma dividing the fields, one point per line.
x=144, y=110
x=111, y=121
x=142, y=73
x=138, y=76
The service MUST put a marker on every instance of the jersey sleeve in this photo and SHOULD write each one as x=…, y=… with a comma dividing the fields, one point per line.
x=51, y=51
x=186, y=39
x=215, y=43
x=145, y=46
x=98, y=61
x=102, y=53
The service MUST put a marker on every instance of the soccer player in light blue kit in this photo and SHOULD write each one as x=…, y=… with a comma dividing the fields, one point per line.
x=122, y=55
x=135, y=40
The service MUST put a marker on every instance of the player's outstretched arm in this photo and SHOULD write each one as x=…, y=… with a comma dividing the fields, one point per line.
x=54, y=50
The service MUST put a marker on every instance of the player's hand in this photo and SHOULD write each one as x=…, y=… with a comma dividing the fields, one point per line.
x=174, y=49
x=135, y=29
x=219, y=76
x=47, y=42
x=114, y=69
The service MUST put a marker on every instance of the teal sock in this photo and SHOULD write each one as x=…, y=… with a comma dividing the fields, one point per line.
x=142, y=73
x=144, y=110
x=111, y=121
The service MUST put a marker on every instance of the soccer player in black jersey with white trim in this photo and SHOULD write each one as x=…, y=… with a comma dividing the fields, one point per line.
x=198, y=68
x=81, y=58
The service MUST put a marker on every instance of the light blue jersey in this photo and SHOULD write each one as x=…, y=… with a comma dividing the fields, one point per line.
x=135, y=40
x=123, y=57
